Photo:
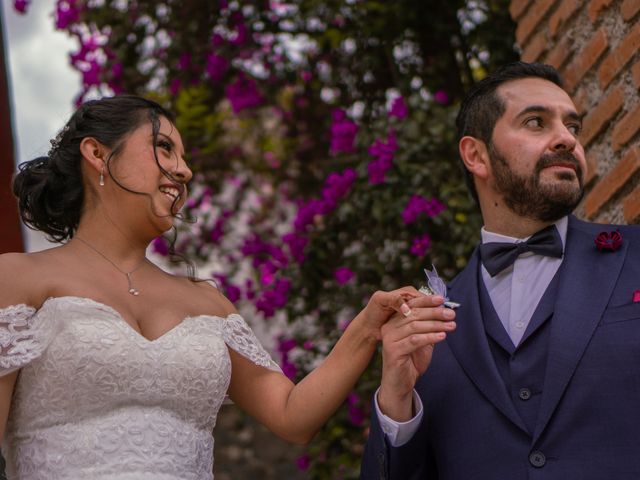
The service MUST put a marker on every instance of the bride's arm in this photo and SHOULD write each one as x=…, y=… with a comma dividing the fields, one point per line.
x=297, y=412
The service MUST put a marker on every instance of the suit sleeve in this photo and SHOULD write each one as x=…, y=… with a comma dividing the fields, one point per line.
x=411, y=461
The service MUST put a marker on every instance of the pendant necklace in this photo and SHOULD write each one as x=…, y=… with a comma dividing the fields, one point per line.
x=132, y=290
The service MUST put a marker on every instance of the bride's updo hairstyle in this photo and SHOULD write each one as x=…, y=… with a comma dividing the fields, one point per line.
x=49, y=189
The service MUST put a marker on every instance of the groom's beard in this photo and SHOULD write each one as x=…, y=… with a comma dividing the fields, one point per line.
x=528, y=197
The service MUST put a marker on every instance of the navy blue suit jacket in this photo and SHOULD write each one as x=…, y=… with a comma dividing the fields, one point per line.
x=588, y=423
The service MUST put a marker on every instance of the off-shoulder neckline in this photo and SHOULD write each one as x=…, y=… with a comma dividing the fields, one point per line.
x=115, y=313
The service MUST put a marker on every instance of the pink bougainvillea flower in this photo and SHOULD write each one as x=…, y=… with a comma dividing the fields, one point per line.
x=383, y=158
x=343, y=132
x=216, y=66
x=91, y=74
x=303, y=462
x=274, y=297
x=417, y=205
x=297, y=244
x=420, y=245
x=399, y=109
x=21, y=6
x=343, y=275
x=160, y=246
x=67, y=12
x=338, y=185
x=174, y=86
x=243, y=93
x=441, y=97
x=356, y=415
x=232, y=292
x=241, y=34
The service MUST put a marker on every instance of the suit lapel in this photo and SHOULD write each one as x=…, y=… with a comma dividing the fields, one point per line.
x=586, y=284
x=469, y=342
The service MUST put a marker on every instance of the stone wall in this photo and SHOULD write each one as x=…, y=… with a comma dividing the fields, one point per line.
x=595, y=45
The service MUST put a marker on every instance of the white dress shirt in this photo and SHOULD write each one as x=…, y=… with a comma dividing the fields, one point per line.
x=515, y=293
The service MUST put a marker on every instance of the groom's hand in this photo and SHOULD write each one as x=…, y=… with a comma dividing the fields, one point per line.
x=407, y=348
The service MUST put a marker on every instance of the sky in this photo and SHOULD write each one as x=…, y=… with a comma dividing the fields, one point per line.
x=41, y=81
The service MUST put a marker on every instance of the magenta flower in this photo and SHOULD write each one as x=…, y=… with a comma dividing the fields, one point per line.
x=115, y=81
x=285, y=345
x=232, y=292
x=273, y=298
x=399, y=109
x=21, y=6
x=91, y=75
x=338, y=185
x=184, y=62
x=241, y=34
x=303, y=462
x=343, y=275
x=174, y=86
x=216, y=66
x=441, y=97
x=217, y=232
x=86, y=46
x=343, y=132
x=296, y=244
x=289, y=369
x=67, y=12
x=356, y=415
x=418, y=205
x=217, y=40
x=249, y=291
x=243, y=93
x=160, y=246
x=420, y=245
x=383, y=154
x=267, y=273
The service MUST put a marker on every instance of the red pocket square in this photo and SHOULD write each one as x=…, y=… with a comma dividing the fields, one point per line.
x=636, y=296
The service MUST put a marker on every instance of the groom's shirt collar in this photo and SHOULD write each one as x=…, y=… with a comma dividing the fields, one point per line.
x=488, y=236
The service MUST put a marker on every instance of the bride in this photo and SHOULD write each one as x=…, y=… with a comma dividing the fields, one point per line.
x=114, y=369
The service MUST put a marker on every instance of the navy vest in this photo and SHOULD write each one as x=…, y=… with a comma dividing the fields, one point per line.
x=522, y=368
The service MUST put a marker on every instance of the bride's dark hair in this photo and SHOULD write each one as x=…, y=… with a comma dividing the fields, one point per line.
x=49, y=189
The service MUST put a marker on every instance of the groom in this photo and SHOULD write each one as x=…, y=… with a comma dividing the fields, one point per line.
x=541, y=378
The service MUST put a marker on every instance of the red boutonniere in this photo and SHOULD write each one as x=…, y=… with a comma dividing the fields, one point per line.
x=609, y=240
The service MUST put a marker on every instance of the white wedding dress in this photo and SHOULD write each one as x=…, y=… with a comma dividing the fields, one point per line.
x=96, y=400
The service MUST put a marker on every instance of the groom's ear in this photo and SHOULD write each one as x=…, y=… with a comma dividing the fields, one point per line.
x=475, y=156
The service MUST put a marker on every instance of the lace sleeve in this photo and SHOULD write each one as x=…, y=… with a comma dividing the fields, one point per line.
x=20, y=342
x=238, y=336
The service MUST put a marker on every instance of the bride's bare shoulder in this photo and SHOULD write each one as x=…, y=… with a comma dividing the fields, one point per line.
x=215, y=299
x=23, y=275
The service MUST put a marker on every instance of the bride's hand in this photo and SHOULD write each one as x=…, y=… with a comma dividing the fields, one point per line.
x=382, y=306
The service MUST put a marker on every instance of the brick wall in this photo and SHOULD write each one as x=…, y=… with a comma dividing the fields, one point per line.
x=10, y=230
x=595, y=44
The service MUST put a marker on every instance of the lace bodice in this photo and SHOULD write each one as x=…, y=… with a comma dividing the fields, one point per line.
x=97, y=400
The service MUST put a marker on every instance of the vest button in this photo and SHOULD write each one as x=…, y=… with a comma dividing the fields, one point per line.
x=524, y=394
x=537, y=459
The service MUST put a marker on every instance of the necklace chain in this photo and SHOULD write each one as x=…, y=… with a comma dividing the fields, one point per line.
x=132, y=290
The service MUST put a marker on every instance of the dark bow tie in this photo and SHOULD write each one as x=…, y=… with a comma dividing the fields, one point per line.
x=496, y=256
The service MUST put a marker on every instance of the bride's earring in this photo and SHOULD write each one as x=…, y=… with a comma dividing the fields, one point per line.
x=102, y=177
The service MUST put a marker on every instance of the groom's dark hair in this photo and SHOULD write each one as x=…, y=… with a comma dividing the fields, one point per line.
x=482, y=106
